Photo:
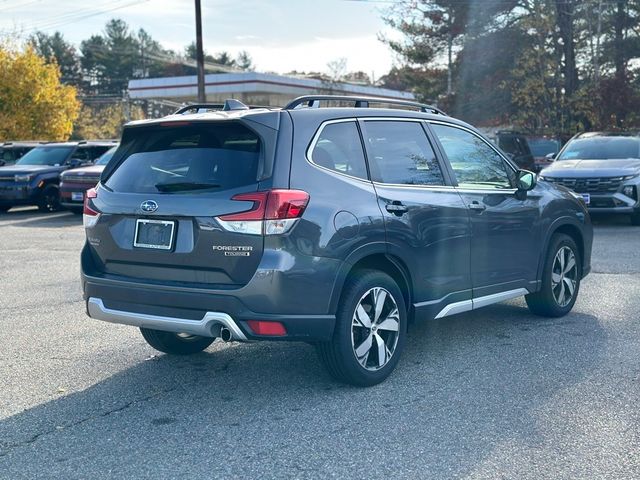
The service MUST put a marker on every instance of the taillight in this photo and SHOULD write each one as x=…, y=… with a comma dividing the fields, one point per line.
x=90, y=214
x=274, y=212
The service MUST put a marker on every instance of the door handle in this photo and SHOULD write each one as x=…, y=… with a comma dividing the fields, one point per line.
x=478, y=207
x=396, y=208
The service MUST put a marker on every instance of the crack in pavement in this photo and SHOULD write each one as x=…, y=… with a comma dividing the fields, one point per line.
x=7, y=448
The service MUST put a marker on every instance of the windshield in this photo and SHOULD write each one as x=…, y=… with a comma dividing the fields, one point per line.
x=542, y=146
x=46, y=156
x=106, y=156
x=601, y=148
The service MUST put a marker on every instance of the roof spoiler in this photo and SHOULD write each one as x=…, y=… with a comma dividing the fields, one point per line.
x=229, y=105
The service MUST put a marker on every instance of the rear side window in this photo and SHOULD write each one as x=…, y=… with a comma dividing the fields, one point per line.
x=400, y=153
x=339, y=148
x=187, y=158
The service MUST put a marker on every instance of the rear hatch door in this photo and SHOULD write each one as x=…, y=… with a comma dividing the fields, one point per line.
x=160, y=201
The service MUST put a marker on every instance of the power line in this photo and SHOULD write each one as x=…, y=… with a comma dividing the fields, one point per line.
x=73, y=17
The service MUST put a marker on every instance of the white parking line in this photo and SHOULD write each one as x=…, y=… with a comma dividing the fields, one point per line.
x=48, y=216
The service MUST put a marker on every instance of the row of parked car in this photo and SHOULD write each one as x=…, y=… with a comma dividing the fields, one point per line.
x=604, y=168
x=51, y=175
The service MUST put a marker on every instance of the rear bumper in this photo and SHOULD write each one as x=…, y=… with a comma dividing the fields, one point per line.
x=194, y=313
x=68, y=189
x=208, y=326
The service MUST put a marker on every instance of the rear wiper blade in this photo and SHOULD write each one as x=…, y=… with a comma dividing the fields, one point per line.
x=184, y=186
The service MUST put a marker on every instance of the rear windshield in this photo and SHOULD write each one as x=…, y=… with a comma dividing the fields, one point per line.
x=187, y=158
x=601, y=148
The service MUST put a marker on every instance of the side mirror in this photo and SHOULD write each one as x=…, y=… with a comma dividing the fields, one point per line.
x=74, y=163
x=550, y=156
x=525, y=180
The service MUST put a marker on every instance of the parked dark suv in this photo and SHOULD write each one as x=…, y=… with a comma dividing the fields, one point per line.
x=34, y=179
x=334, y=226
x=11, y=152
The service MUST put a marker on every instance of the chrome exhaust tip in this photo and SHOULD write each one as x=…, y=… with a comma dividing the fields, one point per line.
x=225, y=334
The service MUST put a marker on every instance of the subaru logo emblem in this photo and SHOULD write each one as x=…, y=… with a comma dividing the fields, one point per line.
x=149, y=206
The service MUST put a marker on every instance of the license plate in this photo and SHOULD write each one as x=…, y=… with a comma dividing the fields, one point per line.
x=157, y=234
x=586, y=197
x=77, y=196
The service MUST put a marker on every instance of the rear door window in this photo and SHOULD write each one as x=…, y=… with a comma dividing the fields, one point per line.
x=339, y=148
x=400, y=154
x=189, y=158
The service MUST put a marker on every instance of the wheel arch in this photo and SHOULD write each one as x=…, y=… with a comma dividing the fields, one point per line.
x=569, y=227
x=375, y=259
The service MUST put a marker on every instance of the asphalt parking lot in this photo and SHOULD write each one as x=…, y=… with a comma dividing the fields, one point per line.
x=496, y=393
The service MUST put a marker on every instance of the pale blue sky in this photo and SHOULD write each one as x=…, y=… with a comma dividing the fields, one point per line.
x=281, y=35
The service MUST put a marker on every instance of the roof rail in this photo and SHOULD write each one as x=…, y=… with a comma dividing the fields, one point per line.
x=313, y=101
x=229, y=104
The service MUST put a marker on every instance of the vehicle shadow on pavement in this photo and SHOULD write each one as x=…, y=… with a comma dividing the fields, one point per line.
x=465, y=386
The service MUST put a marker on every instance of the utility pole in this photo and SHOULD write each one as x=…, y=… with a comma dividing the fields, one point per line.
x=202, y=97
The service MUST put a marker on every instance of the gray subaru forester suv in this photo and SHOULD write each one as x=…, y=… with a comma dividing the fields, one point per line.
x=327, y=221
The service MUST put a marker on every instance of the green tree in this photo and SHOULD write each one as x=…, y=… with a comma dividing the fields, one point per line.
x=244, y=61
x=112, y=59
x=56, y=49
x=432, y=28
x=428, y=84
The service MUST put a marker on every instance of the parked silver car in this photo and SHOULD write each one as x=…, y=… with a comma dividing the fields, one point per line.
x=602, y=167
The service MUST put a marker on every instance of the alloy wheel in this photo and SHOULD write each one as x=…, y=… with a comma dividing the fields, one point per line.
x=375, y=328
x=564, y=276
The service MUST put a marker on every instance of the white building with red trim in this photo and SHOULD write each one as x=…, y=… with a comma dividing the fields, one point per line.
x=251, y=88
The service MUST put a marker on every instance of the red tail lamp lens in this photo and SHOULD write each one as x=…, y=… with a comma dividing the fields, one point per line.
x=274, y=329
x=256, y=212
x=282, y=204
x=90, y=194
x=270, y=205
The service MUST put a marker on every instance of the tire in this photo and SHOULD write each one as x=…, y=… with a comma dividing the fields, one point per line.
x=354, y=331
x=635, y=219
x=562, y=271
x=50, y=200
x=175, y=343
x=75, y=210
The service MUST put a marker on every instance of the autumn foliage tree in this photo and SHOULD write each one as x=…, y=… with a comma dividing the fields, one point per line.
x=104, y=121
x=33, y=102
